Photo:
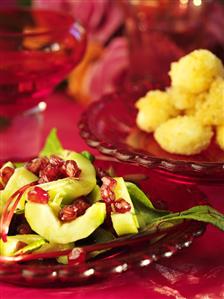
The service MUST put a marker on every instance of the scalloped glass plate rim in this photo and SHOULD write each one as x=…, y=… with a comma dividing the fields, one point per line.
x=189, y=169
x=66, y=275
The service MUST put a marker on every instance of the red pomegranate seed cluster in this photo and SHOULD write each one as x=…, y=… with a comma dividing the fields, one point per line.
x=108, y=196
x=121, y=206
x=53, y=168
x=71, y=212
x=38, y=195
x=5, y=175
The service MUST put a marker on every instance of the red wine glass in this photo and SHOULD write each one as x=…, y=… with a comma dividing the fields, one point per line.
x=37, y=50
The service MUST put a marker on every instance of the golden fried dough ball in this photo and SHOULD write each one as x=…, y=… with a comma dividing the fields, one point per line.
x=220, y=136
x=183, y=135
x=196, y=71
x=211, y=112
x=181, y=99
x=154, y=109
x=199, y=100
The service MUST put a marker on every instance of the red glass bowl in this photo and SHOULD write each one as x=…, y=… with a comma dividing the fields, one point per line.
x=109, y=125
x=129, y=252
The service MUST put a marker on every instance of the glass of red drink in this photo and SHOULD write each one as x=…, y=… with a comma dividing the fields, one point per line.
x=37, y=49
x=161, y=31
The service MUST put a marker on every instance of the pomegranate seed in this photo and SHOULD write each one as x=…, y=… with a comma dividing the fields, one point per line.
x=121, y=206
x=56, y=161
x=6, y=174
x=107, y=194
x=81, y=205
x=37, y=164
x=38, y=195
x=67, y=213
x=49, y=173
x=108, y=181
x=53, y=168
x=71, y=169
x=71, y=212
x=24, y=229
x=76, y=256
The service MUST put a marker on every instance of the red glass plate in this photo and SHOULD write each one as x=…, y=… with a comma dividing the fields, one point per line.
x=126, y=253
x=109, y=125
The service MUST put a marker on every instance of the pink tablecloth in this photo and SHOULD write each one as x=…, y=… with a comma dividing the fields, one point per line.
x=196, y=272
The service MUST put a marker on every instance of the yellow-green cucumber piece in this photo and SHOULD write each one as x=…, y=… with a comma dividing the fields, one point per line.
x=62, y=259
x=52, y=247
x=31, y=247
x=7, y=164
x=20, y=178
x=45, y=223
x=124, y=223
x=94, y=195
x=10, y=247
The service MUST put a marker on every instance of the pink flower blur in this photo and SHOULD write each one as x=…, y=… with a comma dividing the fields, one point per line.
x=102, y=19
x=110, y=71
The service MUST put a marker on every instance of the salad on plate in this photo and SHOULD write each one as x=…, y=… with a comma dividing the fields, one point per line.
x=58, y=202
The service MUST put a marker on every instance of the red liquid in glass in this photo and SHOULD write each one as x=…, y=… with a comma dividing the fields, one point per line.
x=37, y=49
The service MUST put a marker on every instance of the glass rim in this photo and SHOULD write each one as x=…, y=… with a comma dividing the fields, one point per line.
x=71, y=21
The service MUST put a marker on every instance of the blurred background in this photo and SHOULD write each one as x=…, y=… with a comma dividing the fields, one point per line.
x=135, y=39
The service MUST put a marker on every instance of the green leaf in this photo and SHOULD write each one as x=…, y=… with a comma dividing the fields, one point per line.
x=144, y=209
x=88, y=156
x=199, y=213
x=101, y=235
x=52, y=144
x=138, y=195
x=152, y=219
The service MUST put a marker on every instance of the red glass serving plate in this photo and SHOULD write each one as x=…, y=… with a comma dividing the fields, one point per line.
x=130, y=252
x=110, y=126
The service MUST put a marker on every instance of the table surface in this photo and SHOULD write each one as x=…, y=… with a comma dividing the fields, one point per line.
x=196, y=272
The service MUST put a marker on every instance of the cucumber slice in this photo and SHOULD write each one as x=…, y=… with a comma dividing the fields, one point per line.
x=62, y=259
x=10, y=247
x=7, y=164
x=45, y=223
x=95, y=195
x=126, y=223
x=52, y=247
x=31, y=247
x=20, y=178
x=71, y=188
